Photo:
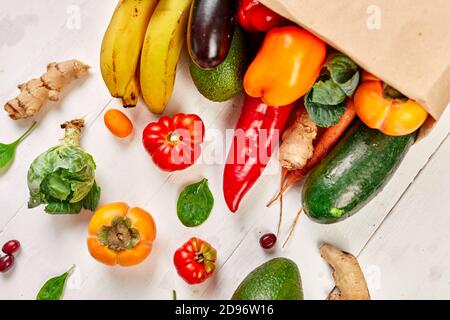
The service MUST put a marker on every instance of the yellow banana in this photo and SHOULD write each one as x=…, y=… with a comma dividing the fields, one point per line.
x=161, y=51
x=121, y=48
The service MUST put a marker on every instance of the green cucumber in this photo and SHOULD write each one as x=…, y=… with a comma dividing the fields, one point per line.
x=353, y=173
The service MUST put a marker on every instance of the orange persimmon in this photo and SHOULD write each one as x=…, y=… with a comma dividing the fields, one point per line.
x=382, y=107
x=121, y=235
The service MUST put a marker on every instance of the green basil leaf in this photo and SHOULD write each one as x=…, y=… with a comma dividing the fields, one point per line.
x=327, y=93
x=195, y=204
x=8, y=151
x=344, y=72
x=53, y=289
x=323, y=115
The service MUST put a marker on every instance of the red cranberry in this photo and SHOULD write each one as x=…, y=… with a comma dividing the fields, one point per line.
x=268, y=241
x=6, y=262
x=11, y=247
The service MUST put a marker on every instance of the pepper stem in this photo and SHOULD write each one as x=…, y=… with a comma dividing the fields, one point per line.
x=72, y=134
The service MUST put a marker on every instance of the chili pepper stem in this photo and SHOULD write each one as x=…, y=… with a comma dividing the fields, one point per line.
x=291, y=232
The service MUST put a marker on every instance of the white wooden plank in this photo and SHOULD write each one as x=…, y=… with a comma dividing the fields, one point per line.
x=409, y=257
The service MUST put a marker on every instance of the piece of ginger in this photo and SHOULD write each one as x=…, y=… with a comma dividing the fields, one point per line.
x=297, y=146
x=348, y=276
x=34, y=93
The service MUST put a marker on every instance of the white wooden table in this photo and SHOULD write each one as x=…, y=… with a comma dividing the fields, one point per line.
x=402, y=237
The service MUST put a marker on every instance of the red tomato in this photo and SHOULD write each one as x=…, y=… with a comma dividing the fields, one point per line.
x=174, y=143
x=253, y=16
x=195, y=261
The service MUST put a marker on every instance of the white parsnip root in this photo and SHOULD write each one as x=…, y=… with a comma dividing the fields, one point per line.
x=34, y=93
x=347, y=274
x=297, y=142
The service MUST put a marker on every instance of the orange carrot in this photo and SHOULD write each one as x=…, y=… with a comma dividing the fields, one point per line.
x=325, y=143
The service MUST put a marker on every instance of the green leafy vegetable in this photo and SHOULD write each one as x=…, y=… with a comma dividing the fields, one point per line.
x=53, y=289
x=326, y=101
x=344, y=72
x=7, y=151
x=63, y=177
x=195, y=204
x=327, y=93
x=324, y=115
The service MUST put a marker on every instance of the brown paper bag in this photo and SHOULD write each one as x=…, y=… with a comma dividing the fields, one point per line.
x=404, y=42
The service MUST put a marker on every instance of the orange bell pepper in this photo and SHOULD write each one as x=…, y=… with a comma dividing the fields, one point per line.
x=286, y=66
x=121, y=235
x=382, y=107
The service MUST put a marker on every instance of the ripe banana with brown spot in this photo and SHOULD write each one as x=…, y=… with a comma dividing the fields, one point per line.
x=161, y=50
x=121, y=48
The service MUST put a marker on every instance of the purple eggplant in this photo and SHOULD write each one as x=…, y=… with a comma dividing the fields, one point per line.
x=211, y=28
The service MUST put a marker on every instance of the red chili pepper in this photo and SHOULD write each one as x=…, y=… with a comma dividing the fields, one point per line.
x=174, y=143
x=195, y=261
x=255, y=138
x=253, y=16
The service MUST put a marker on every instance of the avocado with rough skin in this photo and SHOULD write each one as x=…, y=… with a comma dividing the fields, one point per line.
x=277, y=279
x=226, y=80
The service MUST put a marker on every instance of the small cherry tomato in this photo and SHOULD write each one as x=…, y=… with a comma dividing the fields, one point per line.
x=195, y=261
x=118, y=123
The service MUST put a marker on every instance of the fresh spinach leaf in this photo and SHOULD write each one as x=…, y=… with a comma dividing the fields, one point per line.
x=344, y=72
x=8, y=151
x=54, y=287
x=327, y=93
x=323, y=115
x=195, y=204
x=326, y=101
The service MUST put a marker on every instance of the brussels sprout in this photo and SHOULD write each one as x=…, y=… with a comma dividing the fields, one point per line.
x=63, y=177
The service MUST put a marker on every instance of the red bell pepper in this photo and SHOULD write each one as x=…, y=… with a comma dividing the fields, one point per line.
x=174, y=143
x=195, y=261
x=256, y=135
x=253, y=16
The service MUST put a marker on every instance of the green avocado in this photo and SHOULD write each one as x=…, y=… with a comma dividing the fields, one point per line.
x=277, y=279
x=225, y=81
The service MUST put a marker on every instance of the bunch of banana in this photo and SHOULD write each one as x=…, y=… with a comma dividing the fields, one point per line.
x=121, y=48
x=161, y=51
x=141, y=49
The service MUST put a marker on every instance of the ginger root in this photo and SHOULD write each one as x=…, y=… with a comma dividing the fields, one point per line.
x=34, y=93
x=347, y=274
x=297, y=146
